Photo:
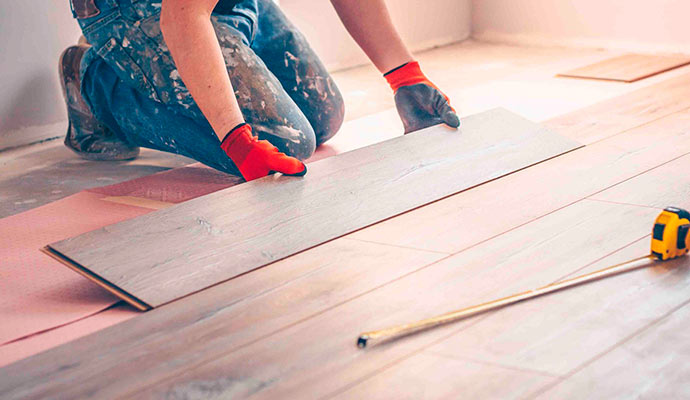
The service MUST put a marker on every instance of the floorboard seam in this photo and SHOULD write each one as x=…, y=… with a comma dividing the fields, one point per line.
x=288, y=326
x=400, y=277
x=424, y=348
x=405, y=357
x=493, y=364
x=623, y=204
x=580, y=367
x=397, y=246
x=571, y=273
x=681, y=111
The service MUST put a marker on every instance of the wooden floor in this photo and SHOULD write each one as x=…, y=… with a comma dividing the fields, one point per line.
x=289, y=330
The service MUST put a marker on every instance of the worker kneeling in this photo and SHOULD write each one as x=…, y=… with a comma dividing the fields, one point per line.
x=230, y=83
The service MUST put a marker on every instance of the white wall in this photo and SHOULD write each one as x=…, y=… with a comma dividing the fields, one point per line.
x=654, y=26
x=33, y=33
x=422, y=24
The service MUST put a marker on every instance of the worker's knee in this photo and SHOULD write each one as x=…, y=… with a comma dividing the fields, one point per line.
x=295, y=138
x=329, y=118
x=306, y=146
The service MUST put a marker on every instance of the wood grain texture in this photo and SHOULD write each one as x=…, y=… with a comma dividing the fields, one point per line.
x=616, y=115
x=178, y=332
x=651, y=365
x=628, y=67
x=666, y=185
x=177, y=336
x=559, y=333
x=187, y=333
x=431, y=376
x=452, y=224
x=177, y=251
x=318, y=356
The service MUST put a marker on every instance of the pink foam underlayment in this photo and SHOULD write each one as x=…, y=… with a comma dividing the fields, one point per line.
x=44, y=304
x=174, y=185
x=37, y=343
x=37, y=293
x=184, y=183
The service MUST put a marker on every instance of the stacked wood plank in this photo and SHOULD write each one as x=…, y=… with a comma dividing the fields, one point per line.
x=628, y=67
x=289, y=330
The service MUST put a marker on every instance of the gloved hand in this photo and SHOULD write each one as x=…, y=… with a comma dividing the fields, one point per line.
x=419, y=102
x=257, y=158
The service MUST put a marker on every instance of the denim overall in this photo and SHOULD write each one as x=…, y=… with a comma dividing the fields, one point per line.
x=130, y=82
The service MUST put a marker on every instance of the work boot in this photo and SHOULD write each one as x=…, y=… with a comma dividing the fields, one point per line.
x=86, y=136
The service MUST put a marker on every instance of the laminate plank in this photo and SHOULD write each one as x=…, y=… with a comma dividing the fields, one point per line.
x=519, y=201
x=177, y=251
x=610, y=117
x=60, y=368
x=429, y=376
x=318, y=357
x=556, y=334
x=628, y=67
x=184, y=333
x=651, y=365
x=462, y=220
x=667, y=185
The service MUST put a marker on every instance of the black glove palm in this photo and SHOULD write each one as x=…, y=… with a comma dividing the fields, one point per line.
x=421, y=106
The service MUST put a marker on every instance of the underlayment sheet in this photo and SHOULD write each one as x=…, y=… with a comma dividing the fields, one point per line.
x=628, y=67
x=173, y=186
x=39, y=342
x=49, y=329
x=36, y=292
x=173, y=252
x=195, y=180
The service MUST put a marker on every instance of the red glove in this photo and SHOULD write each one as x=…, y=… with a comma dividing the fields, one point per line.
x=258, y=158
x=419, y=102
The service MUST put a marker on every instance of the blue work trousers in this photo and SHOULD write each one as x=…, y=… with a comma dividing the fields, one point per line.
x=131, y=84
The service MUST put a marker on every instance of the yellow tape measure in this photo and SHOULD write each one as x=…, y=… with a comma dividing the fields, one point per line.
x=670, y=239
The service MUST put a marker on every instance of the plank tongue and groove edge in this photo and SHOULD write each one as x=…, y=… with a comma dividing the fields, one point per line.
x=180, y=250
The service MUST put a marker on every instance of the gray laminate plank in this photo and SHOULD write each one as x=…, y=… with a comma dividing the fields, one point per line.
x=107, y=364
x=613, y=116
x=173, y=252
x=318, y=356
x=555, y=334
x=667, y=185
x=445, y=225
x=429, y=376
x=651, y=365
x=176, y=336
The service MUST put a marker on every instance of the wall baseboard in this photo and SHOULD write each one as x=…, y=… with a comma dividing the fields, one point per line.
x=32, y=134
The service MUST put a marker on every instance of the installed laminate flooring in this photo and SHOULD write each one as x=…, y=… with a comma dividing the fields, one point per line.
x=171, y=253
x=215, y=343
x=628, y=67
x=289, y=330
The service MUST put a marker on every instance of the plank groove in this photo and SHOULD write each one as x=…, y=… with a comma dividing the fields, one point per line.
x=628, y=67
x=173, y=252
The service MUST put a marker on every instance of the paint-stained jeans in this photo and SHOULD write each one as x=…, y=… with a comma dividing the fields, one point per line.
x=131, y=84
